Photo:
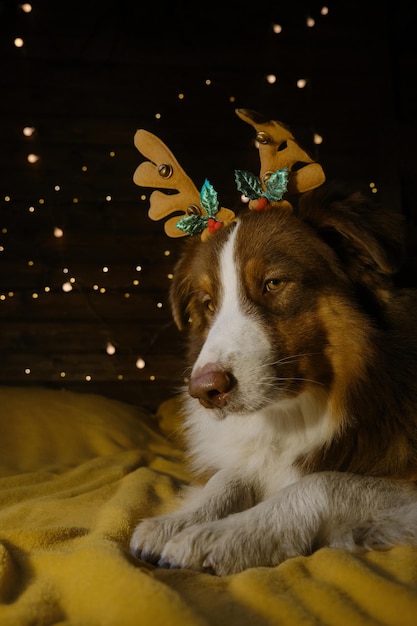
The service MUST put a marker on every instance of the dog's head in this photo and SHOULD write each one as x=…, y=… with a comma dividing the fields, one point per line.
x=282, y=302
x=285, y=297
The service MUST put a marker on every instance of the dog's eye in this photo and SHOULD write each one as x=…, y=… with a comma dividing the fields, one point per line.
x=273, y=284
x=208, y=303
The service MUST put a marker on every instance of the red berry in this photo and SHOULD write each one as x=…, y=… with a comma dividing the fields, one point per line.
x=262, y=204
x=213, y=225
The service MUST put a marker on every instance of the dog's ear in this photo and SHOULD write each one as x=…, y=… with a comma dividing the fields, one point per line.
x=367, y=238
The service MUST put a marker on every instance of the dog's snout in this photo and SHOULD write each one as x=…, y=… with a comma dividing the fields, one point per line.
x=211, y=386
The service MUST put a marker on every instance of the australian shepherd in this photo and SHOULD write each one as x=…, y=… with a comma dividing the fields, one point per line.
x=301, y=407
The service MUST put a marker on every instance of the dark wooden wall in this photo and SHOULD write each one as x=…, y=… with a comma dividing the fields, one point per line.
x=88, y=75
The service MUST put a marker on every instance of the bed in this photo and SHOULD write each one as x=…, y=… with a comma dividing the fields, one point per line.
x=78, y=470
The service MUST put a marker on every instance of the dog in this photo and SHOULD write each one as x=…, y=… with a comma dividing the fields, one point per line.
x=301, y=406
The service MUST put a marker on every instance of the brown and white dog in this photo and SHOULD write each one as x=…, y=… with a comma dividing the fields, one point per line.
x=302, y=399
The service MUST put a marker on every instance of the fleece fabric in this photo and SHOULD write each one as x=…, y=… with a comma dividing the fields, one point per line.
x=77, y=471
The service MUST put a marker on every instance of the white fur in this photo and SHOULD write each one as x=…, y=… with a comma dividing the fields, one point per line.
x=265, y=443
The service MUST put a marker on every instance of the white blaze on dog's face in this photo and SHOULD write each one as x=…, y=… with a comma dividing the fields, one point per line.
x=270, y=314
x=236, y=345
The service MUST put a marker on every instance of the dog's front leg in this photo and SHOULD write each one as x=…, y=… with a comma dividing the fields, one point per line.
x=223, y=494
x=327, y=508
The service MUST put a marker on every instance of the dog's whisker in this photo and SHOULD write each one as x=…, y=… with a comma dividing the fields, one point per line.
x=272, y=380
x=293, y=358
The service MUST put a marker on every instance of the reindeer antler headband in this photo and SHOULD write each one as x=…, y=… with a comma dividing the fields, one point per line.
x=285, y=169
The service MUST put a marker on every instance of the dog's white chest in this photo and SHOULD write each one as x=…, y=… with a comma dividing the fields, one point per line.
x=265, y=445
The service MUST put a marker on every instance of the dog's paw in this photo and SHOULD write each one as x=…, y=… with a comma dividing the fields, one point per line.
x=219, y=547
x=151, y=535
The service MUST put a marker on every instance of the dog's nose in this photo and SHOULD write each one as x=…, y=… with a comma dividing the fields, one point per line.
x=211, y=386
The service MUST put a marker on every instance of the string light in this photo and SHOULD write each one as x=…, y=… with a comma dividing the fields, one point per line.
x=18, y=42
x=301, y=83
x=110, y=348
x=271, y=79
x=277, y=28
x=58, y=232
x=318, y=139
x=26, y=7
x=140, y=363
x=28, y=131
x=310, y=22
x=33, y=158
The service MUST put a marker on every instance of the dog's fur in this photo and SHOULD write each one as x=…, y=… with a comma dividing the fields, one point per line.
x=302, y=399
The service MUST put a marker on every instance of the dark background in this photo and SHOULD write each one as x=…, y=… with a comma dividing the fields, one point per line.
x=88, y=76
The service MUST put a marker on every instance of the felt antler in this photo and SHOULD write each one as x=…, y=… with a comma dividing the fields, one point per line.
x=282, y=158
x=199, y=211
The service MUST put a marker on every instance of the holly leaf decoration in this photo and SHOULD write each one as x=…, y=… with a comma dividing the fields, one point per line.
x=248, y=184
x=208, y=198
x=194, y=224
x=276, y=185
x=251, y=186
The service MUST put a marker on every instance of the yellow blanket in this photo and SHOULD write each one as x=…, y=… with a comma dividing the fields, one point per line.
x=76, y=473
